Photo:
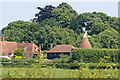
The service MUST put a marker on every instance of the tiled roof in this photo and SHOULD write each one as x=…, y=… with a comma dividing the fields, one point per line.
x=61, y=48
x=28, y=46
x=8, y=46
x=28, y=54
x=85, y=43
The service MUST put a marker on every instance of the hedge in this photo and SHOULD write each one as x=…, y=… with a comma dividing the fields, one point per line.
x=4, y=60
x=77, y=65
x=95, y=55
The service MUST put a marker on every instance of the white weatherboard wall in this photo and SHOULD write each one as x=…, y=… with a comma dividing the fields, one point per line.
x=5, y=57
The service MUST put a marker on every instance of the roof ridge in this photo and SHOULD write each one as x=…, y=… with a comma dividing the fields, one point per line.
x=64, y=44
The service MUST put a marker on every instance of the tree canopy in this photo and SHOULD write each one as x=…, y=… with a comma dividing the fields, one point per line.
x=63, y=25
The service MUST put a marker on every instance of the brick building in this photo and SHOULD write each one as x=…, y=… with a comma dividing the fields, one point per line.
x=8, y=48
x=54, y=52
x=60, y=49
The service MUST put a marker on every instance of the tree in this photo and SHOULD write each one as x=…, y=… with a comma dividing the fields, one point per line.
x=44, y=13
x=106, y=39
x=77, y=24
x=98, y=22
x=19, y=52
x=63, y=25
x=63, y=14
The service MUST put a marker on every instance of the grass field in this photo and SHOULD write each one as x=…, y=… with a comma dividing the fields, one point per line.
x=58, y=73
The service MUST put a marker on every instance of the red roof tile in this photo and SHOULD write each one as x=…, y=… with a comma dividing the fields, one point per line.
x=28, y=46
x=8, y=46
x=28, y=54
x=61, y=48
x=85, y=43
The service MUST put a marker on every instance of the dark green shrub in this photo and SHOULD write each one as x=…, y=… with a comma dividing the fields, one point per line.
x=44, y=56
x=21, y=62
x=38, y=55
x=94, y=55
x=19, y=52
x=62, y=59
x=45, y=52
x=4, y=60
x=24, y=60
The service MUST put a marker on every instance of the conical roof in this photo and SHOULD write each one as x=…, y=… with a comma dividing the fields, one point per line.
x=85, y=42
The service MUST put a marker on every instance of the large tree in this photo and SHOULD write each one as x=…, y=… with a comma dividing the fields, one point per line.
x=63, y=25
x=105, y=39
x=98, y=22
x=44, y=13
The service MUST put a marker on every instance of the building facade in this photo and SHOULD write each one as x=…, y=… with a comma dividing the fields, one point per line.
x=7, y=48
x=60, y=49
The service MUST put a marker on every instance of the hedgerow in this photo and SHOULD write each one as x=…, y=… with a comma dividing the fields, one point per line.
x=95, y=55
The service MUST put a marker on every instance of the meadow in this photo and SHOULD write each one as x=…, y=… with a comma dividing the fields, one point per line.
x=58, y=73
x=58, y=68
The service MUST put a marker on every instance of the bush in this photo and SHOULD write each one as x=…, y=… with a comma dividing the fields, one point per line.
x=38, y=55
x=45, y=52
x=24, y=60
x=19, y=52
x=4, y=60
x=44, y=57
x=94, y=55
x=78, y=65
x=21, y=62
x=62, y=59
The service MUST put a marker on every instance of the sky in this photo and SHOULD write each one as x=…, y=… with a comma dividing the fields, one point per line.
x=21, y=10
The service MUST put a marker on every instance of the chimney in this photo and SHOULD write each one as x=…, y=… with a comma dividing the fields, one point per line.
x=23, y=42
x=40, y=48
x=2, y=38
x=51, y=46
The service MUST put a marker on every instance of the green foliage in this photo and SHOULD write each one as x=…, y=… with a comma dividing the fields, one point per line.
x=45, y=52
x=55, y=35
x=98, y=22
x=44, y=13
x=63, y=14
x=4, y=60
x=106, y=39
x=53, y=73
x=95, y=55
x=19, y=52
x=24, y=60
x=21, y=62
x=63, y=25
x=77, y=23
x=45, y=56
x=38, y=55
x=62, y=59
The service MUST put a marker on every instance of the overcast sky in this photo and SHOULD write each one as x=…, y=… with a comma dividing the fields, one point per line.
x=13, y=11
